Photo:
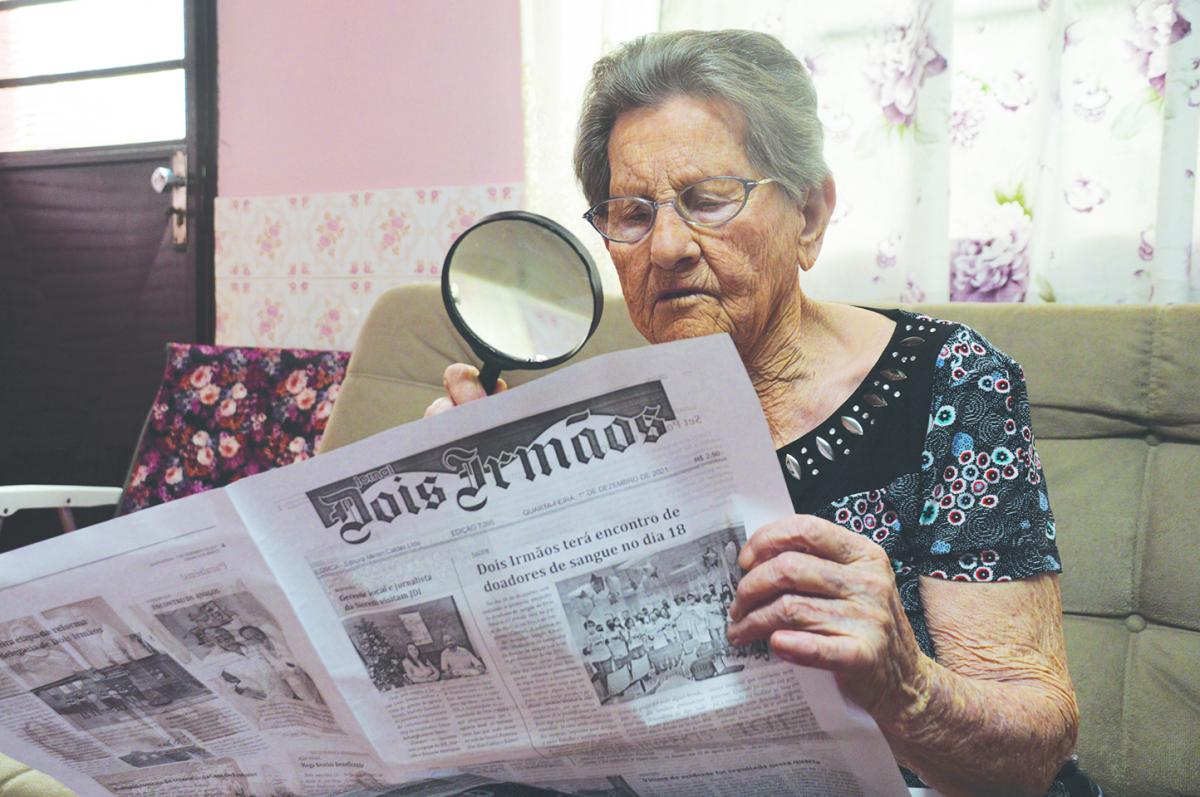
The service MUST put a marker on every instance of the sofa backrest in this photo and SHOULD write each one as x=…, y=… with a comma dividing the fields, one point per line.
x=1116, y=410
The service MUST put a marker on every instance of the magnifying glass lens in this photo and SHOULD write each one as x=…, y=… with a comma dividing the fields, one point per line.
x=522, y=291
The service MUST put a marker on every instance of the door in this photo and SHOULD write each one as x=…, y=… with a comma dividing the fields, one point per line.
x=95, y=95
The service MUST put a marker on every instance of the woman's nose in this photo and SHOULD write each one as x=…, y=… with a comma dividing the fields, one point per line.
x=673, y=245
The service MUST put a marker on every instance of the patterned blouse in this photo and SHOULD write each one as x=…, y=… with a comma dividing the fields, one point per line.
x=933, y=458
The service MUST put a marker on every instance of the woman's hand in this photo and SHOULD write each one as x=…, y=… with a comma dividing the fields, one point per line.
x=826, y=597
x=462, y=385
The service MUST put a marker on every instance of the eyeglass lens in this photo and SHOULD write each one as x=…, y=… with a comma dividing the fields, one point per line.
x=709, y=202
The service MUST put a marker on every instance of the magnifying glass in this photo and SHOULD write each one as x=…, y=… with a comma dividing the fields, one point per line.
x=522, y=291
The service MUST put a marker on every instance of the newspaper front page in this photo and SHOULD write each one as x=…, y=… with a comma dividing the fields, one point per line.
x=537, y=584
x=529, y=588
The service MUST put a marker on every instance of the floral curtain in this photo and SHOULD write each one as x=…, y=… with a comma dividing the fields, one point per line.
x=984, y=150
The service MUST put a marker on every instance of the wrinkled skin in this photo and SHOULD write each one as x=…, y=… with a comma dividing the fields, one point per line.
x=682, y=281
x=996, y=715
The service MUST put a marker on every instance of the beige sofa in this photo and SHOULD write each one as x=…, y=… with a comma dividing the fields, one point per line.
x=1116, y=395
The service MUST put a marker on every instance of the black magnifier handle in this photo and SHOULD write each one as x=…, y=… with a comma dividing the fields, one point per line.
x=488, y=376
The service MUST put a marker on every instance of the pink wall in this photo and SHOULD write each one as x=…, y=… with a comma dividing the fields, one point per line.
x=330, y=95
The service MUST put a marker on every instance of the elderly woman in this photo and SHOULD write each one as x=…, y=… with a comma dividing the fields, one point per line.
x=920, y=566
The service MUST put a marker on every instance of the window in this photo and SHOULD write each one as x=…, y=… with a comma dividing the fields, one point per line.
x=88, y=73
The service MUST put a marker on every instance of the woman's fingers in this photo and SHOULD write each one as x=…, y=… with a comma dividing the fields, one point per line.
x=826, y=597
x=791, y=613
x=790, y=572
x=836, y=653
x=462, y=383
x=439, y=405
x=807, y=534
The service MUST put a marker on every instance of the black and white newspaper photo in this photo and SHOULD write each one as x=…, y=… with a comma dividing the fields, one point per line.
x=420, y=644
x=233, y=639
x=658, y=621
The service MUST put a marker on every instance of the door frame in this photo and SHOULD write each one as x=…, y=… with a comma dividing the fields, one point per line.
x=200, y=69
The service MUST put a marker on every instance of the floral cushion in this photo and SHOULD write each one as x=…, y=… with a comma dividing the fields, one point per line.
x=224, y=412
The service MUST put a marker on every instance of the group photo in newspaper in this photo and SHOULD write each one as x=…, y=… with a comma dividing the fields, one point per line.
x=531, y=594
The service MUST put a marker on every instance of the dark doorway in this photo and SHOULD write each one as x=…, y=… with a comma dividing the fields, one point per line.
x=93, y=283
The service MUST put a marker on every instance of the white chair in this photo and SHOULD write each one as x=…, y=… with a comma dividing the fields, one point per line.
x=62, y=497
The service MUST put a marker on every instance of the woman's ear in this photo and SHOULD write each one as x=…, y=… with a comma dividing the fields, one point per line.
x=818, y=208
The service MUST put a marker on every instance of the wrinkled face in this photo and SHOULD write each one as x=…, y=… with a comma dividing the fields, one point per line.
x=682, y=281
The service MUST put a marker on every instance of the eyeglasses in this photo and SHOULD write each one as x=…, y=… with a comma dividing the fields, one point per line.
x=710, y=202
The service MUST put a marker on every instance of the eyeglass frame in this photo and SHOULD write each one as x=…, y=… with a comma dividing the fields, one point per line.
x=747, y=185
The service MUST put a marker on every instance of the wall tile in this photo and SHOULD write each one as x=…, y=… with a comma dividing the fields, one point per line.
x=302, y=271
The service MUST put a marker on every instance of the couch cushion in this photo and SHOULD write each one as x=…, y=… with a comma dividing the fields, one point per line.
x=1160, y=723
x=1090, y=521
x=1099, y=686
x=1169, y=577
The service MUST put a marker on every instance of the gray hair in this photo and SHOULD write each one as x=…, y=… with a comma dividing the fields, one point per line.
x=751, y=71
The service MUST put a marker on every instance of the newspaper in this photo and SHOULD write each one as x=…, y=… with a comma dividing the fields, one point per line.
x=529, y=589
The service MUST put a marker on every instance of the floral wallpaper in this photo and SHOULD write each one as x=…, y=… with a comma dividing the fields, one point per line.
x=302, y=271
x=983, y=150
